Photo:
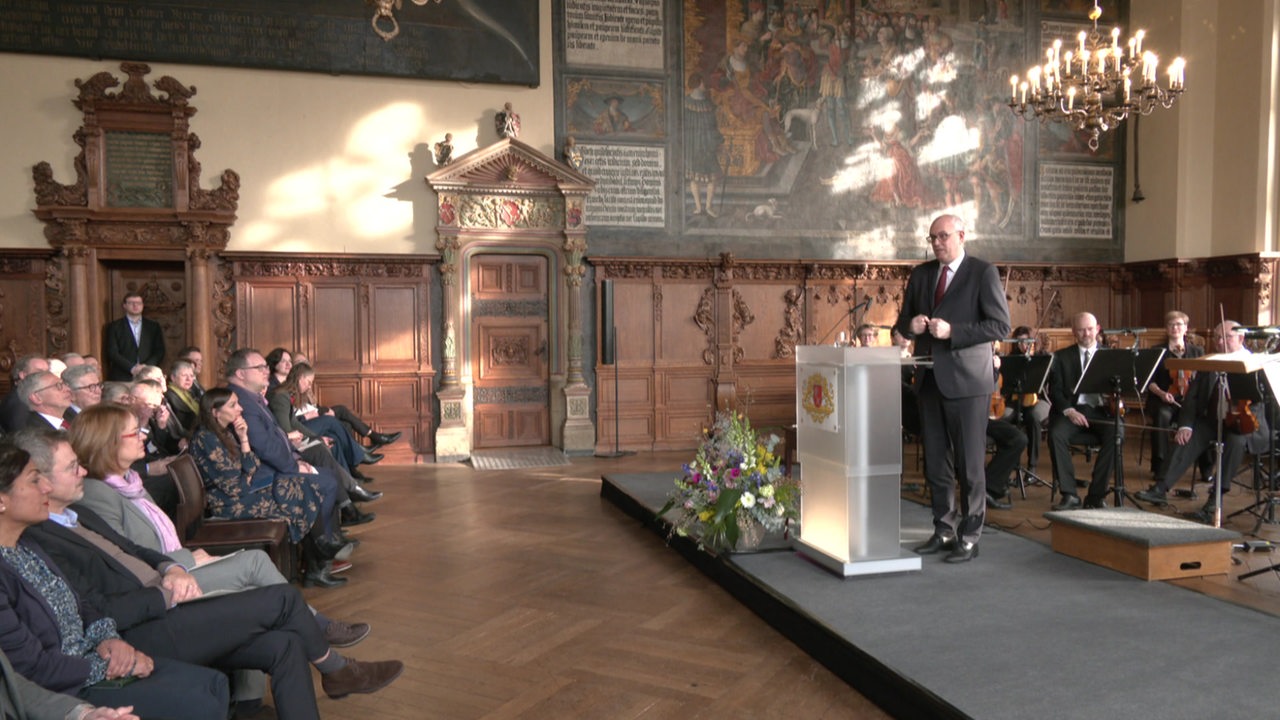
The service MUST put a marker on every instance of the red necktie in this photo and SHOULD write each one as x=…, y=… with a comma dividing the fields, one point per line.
x=66, y=425
x=941, y=290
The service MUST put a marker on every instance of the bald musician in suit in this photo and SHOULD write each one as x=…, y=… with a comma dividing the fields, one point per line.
x=954, y=308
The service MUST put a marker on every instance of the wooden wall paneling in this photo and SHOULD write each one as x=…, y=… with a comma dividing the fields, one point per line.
x=402, y=403
x=395, y=327
x=767, y=305
x=30, y=286
x=635, y=316
x=686, y=401
x=339, y=390
x=337, y=328
x=767, y=392
x=271, y=314
x=684, y=305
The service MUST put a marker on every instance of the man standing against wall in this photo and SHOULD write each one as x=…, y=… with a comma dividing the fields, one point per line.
x=132, y=341
x=954, y=308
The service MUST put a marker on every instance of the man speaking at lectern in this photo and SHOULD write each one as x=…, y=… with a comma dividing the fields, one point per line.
x=954, y=308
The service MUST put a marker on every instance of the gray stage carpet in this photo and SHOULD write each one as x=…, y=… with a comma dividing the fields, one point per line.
x=1023, y=632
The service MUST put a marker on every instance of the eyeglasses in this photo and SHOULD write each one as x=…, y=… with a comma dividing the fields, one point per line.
x=59, y=385
x=939, y=237
x=131, y=434
x=256, y=367
x=95, y=386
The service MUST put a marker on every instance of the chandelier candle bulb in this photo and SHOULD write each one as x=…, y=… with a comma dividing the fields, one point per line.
x=1081, y=37
x=1071, y=98
x=1013, y=89
x=1138, y=37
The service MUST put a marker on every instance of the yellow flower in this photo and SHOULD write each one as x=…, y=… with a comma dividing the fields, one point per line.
x=705, y=515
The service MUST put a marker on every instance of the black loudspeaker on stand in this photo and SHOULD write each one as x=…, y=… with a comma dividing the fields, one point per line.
x=609, y=356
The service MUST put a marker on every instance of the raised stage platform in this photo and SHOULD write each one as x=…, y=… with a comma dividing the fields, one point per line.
x=1021, y=632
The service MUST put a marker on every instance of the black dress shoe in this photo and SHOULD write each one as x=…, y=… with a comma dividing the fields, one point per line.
x=379, y=439
x=352, y=515
x=360, y=494
x=1069, y=502
x=935, y=545
x=322, y=578
x=962, y=552
x=1093, y=503
x=355, y=473
x=999, y=502
x=1152, y=494
x=331, y=548
x=371, y=458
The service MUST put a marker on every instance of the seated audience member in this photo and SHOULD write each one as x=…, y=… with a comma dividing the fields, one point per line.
x=72, y=359
x=117, y=393
x=47, y=398
x=86, y=387
x=237, y=486
x=125, y=506
x=25, y=700
x=1198, y=428
x=247, y=378
x=192, y=354
x=867, y=335
x=91, y=360
x=150, y=598
x=165, y=434
x=281, y=362
x=1079, y=419
x=13, y=411
x=153, y=373
x=183, y=404
x=294, y=407
x=1167, y=389
x=63, y=644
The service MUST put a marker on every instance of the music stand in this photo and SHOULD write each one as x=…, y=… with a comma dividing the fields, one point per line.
x=1019, y=372
x=1106, y=375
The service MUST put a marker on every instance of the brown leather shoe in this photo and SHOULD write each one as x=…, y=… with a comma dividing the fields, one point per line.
x=341, y=635
x=361, y=677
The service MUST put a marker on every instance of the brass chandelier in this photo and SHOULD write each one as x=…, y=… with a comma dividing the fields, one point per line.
x=384, y=18
x=1096, y=85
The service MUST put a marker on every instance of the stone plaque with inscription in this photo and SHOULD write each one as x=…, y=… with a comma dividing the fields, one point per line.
x=139, y=169
x=630, y=184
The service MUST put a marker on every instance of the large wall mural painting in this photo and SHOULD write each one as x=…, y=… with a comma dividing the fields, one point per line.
x=840, y=128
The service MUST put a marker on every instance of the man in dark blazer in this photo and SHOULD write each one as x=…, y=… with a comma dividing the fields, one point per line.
x=48, y=401
x=13, y=411
x=1198, y=429
x=954, y=308
x=132, y=341
x=1079, y=419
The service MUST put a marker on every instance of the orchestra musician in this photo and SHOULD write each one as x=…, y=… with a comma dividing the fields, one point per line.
x=1198, y=428
x=1030, y=410
x=1079, y=419
x=1166, y=389
x=1009, y=443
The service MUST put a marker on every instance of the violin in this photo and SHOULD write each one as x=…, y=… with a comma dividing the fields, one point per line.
x=997, y=409
x=1115, y=406
x=1240, y=418
x=1181, y=383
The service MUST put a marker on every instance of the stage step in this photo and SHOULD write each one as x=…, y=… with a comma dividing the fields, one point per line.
x=1142, y=544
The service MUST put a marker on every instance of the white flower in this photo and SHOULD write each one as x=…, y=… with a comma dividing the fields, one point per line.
x=766, y=491
x=779, y=510
x=767, y=502
x=748, y=500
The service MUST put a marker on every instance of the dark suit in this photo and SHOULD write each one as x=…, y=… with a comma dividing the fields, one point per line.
x=1197, y=414
x=1161, y=413
x=1063, y=377
x=954, y=394
x=268, y=629
x=13, y=413
x=123, y=352
x=36, y=421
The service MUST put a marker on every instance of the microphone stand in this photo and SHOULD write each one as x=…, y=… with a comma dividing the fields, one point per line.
x=864, y=305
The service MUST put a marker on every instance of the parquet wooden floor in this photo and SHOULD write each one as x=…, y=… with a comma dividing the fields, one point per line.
x=522, y=594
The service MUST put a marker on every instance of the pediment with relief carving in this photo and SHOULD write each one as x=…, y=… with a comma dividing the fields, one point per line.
x=508, y=166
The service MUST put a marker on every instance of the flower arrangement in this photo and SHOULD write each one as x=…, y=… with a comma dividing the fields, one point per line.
x=734, y=481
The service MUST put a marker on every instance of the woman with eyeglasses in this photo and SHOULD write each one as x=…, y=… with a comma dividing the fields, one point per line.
x=55, y=640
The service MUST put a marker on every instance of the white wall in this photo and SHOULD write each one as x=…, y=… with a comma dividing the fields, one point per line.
x=327, y=164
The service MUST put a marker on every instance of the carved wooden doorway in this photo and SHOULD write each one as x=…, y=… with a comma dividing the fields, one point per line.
x=509, y=324
x=163, y=286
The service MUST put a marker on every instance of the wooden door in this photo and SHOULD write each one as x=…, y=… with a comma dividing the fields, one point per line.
x=509, y=350
x=163, y=286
